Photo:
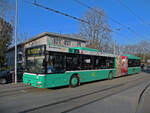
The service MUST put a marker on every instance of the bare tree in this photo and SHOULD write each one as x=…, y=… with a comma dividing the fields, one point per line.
x=140, y=49
x=143, y=50
x=7, y=10
x=97, y=30
x=107, y=45
x=23, y=37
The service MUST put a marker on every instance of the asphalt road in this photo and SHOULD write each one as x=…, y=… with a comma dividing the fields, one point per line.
x=120, y=95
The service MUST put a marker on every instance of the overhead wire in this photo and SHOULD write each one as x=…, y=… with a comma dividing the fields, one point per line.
x=115, y=21
x=76, y=18
x=56, y=11
x=79, y=19
x=132, y=12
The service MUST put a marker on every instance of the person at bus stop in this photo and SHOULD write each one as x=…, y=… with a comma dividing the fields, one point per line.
x=50, y=67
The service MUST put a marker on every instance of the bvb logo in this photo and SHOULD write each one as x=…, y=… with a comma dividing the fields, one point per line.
x=93, y=74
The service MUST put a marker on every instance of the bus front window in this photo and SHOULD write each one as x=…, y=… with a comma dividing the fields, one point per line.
x=34, y=64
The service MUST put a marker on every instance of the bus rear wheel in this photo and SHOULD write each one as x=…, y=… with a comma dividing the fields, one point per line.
x=110, y=75
x=74, y=81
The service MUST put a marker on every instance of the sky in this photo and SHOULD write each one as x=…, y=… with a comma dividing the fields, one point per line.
x=33, y=20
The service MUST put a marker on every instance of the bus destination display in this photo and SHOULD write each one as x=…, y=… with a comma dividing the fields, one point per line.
x=35, y=51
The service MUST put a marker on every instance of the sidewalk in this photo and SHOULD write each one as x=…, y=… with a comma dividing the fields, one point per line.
x=13, y=87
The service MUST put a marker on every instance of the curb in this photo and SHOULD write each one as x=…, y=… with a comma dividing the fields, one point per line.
x=13, y=87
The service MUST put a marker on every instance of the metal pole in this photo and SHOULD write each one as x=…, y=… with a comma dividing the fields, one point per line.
x=119, y=50
x=114, y=47
x=16, y=41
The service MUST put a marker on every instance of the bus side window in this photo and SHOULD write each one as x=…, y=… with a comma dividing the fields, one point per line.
x=75, y=64
x=88, y=62
x=81, y=63
x=102, y=63
x=96, y=63
x=110, y=63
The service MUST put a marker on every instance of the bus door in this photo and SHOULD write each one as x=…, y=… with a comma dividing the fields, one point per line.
x=124, y=66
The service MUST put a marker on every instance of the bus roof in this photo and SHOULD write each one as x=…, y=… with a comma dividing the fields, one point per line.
x=86, y=49
x=89, y=51
x=132, y=56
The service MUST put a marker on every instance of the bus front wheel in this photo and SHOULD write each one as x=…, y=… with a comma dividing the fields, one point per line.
x=74, y=81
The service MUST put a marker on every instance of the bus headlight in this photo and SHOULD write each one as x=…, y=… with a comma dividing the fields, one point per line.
x=39, y=82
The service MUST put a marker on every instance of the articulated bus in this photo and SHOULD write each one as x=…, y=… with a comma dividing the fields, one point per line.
x=48, y=67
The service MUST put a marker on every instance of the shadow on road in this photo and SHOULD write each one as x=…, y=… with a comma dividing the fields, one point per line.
x=146, y=71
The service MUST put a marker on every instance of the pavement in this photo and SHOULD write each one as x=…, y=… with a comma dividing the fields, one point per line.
x=120, y=95
x=144, y=101
x=13, y=87
x=124, y=102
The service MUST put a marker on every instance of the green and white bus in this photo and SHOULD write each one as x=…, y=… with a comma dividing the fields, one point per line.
x=48, y=67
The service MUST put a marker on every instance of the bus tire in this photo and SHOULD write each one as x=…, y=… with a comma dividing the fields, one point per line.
x=110, y=75
x=74, y=81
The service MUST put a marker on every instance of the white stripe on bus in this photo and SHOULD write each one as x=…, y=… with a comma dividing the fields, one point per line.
x=90, y=70
x=78, y=71
x=34, y=74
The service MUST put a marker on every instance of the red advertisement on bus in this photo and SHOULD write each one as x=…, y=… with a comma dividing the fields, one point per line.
x=124, y=66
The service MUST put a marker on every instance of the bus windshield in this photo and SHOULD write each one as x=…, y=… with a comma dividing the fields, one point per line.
x=34, y=64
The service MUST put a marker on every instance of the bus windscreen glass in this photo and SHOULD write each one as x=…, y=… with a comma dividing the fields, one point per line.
x=35, y=60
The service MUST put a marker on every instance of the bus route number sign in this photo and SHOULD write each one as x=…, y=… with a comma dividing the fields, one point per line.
x=34, y=51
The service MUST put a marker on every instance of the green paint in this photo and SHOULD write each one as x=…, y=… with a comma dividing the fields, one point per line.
x=82, y=48
x=56, y=80
x=133, y=70
x=48, y=42
x=33, y=80
x=62, y=79
x=132, y=57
